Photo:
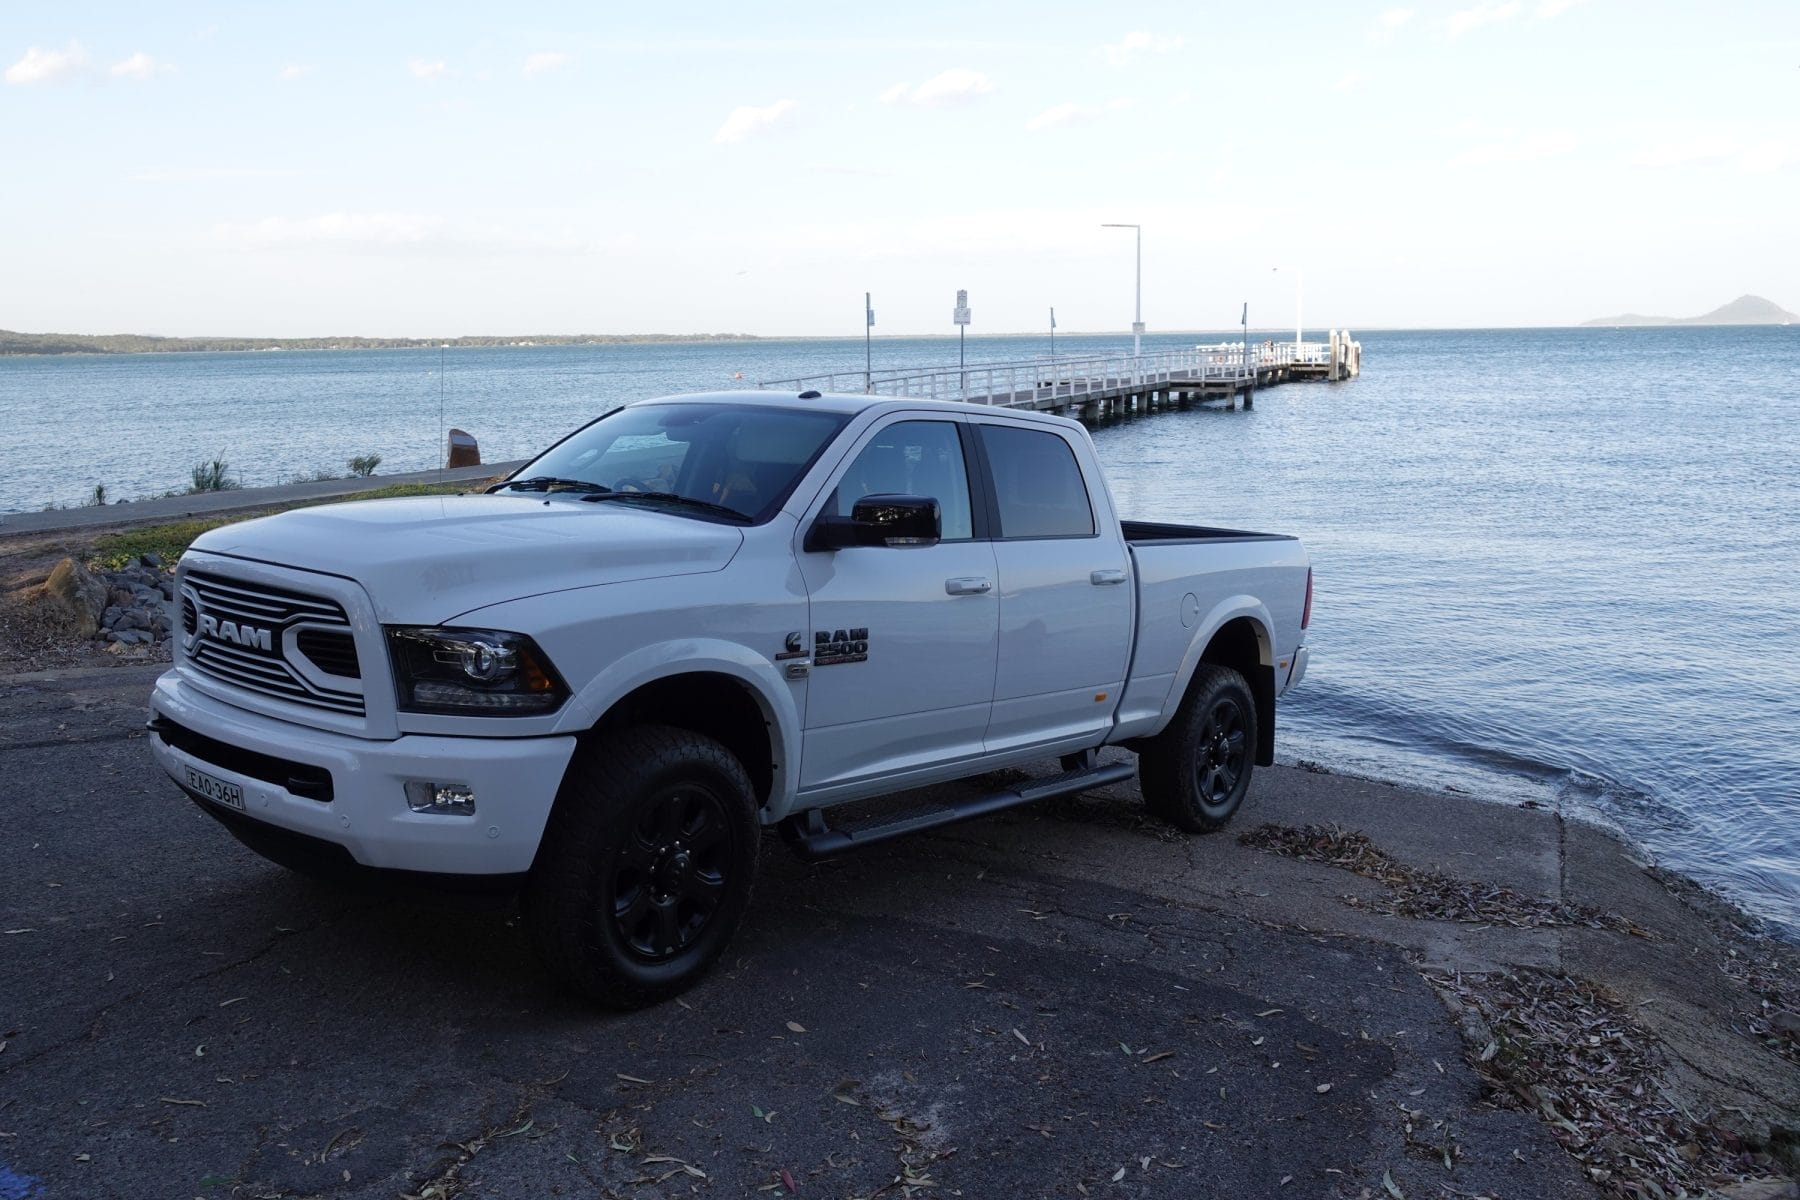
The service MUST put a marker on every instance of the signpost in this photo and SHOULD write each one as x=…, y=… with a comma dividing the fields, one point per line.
x=868, y=372
x=1053, y=331
x=961, y=317
x=1249, y=388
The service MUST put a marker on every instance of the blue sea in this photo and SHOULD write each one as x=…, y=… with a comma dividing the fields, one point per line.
x=1560, y=565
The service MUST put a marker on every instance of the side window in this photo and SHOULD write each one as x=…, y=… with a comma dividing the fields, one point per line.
x=1037, y=483
x=912, y=458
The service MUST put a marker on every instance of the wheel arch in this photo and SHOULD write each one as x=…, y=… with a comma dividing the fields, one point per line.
x=722, y=690
x=1237, y=636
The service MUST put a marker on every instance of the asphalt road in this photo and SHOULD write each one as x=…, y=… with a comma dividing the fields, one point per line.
x=1032, y=1005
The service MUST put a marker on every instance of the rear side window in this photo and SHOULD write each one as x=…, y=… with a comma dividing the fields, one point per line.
x=1037, y=483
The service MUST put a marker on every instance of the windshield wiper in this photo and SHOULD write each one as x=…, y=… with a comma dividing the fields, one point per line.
x=545, y=483
x=676, y=498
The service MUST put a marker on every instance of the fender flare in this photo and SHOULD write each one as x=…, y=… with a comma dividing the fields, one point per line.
x=1226, y=610
x=715, y=656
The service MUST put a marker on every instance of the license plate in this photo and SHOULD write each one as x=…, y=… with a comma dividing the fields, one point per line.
x=216, y=790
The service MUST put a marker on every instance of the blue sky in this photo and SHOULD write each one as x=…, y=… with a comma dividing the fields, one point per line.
x=434, y=170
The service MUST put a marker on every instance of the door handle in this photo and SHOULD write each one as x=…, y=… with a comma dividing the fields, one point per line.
x=968, y=585
x=1107, y=576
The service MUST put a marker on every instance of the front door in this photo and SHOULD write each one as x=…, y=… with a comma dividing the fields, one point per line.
x=903, y=637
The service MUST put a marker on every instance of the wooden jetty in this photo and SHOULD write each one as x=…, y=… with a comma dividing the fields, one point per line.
x=1096, y=387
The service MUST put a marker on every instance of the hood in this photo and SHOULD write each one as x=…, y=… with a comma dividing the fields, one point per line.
x=426, y=559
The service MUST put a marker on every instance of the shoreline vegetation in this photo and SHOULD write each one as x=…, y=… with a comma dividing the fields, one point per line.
x=14, y=343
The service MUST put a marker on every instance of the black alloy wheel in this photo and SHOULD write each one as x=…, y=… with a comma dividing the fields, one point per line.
x=1223, y=749
x=670, y=876
x=1195, y=773
x=645, y=867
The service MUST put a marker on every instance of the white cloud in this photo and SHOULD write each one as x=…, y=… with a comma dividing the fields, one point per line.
x=47, y=66
x=1349, y=81
x=747, y=119
x=1389, y=23
x=198, y=174
x=1518, y=148
x=386, y=233
x=295, y=71
x=1702, y=146
x=1555, y=8
x=421, y=69
x=1063, y=115
x=1488, y=13
x=1138, y=42
x=140, y=66
x=958, y=85
x=543, y=64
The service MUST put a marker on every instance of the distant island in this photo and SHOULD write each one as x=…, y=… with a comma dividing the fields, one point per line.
x=138, y=343
x=1745, y=310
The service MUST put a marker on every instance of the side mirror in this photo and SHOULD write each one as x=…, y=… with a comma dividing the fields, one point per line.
x=881, y=520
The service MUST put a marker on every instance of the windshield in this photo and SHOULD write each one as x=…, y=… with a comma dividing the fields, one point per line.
x=740, y=458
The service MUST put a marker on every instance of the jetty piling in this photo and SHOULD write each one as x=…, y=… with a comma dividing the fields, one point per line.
x=1099, y=387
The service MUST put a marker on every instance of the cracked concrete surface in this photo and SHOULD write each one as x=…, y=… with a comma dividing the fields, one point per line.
x=1017, y=1006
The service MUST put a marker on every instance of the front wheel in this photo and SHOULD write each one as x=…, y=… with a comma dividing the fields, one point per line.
x=1195, y=773
x=646, y=865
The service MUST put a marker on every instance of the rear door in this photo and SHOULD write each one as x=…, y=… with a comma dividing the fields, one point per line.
x=1065, y=592
x=904, y=638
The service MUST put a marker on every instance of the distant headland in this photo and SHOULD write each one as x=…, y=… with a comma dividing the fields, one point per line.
x=1745, y=310
x=138, y=343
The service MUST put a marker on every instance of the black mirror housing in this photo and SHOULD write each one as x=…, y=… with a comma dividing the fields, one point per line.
x=880, y=520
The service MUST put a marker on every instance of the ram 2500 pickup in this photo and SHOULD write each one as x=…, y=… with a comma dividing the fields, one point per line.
x=697, y=618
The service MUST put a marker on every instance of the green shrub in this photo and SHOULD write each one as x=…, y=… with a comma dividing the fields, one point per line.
x=214, y=476
x=365, y=464
x=96, y=498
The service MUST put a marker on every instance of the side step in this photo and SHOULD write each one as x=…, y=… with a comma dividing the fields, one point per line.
x=813, y=839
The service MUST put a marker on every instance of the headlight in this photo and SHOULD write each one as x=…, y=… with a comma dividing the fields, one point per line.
x=472, y=672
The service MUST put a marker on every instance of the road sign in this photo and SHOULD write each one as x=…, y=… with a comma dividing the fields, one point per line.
x=961, y=315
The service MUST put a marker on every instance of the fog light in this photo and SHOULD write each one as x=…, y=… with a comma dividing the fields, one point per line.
x=444, y=799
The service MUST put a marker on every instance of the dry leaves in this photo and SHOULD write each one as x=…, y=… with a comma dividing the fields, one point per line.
x=1569, y=1051
x=1425, y=894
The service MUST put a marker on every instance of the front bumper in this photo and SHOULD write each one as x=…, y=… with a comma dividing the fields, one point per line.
x=285, y=769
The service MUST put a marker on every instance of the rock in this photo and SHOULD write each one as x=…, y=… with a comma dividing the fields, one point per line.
x=463, y=450
x=111, y=616
x=131, y=618
x=134, y=637
x=1759, y=1189
x=76, y=595
x=152, y=559
x=1786, y=1023
x=121, y=596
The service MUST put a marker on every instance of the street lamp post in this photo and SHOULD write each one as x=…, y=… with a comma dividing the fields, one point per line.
x=1137, y=323
x=1299, y=289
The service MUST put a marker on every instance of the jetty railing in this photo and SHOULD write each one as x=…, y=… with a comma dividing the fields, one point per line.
x=1031, y=381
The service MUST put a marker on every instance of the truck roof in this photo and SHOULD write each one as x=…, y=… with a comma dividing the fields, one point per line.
x=847, y=403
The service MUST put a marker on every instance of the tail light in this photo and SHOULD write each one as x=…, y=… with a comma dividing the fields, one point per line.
x=1306, y=613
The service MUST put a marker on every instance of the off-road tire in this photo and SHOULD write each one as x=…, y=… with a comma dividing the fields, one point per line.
x=1195, y=773
x=615, y=898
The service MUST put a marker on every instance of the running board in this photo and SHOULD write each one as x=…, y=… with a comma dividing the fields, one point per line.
x=813, y=839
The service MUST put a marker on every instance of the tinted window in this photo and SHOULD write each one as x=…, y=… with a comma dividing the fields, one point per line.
x=1038, y=484
x=744, y=457
x=912, y=458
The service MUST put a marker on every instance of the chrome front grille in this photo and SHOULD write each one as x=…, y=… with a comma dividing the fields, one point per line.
x=272, y=641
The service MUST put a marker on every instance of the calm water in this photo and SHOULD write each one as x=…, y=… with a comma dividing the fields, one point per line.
x=1551, y=563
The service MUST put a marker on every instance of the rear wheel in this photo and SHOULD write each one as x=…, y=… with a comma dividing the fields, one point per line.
x=646, y=866
x=1195, y=773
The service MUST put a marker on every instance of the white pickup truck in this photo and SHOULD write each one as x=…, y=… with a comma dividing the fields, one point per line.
x=698, y=617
